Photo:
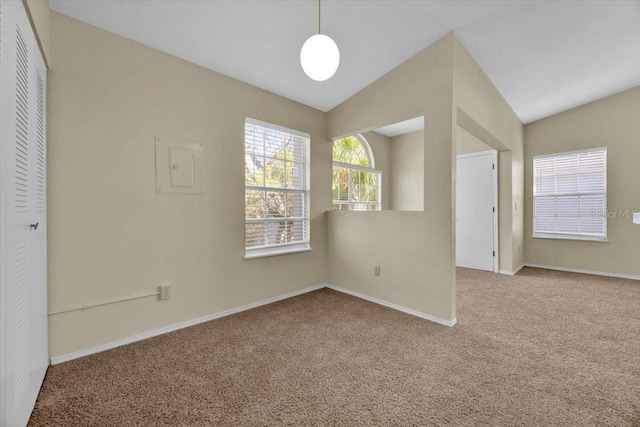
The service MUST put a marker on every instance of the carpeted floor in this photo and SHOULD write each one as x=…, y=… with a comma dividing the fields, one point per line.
x=542, y=348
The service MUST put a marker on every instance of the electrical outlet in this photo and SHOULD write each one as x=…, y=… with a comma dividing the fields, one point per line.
x=376, y=270
x=165, y=291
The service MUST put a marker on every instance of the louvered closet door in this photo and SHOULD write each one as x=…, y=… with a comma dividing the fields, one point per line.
x=22, y=216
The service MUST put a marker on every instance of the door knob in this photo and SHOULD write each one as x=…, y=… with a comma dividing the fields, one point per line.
x=34, y=227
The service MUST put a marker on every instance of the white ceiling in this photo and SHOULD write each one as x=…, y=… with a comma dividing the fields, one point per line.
x=543, y=56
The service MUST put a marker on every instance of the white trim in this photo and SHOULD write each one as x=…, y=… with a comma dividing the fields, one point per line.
x=367, y=148
x=166, y=329
x=139, y=337
x=512, y=273
x=271, y=126
x=496, y=208
x=568, y=153
x=579, y=270
x=356, y=167
x=475, y=154
x=393, y=306
x=263, y=252
x=496, y=204
x=578, y=237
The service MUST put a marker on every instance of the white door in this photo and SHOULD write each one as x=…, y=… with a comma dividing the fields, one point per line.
x=23, y=241
x=476, y=203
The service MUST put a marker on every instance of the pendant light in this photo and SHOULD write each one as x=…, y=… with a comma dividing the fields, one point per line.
x=319, y=56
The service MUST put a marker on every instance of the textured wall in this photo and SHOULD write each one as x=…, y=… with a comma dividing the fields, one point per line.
x=395, y=241
x=111, y=235
x=420, y=86
x=612, y=122
x=479, y=99
x=407, y=172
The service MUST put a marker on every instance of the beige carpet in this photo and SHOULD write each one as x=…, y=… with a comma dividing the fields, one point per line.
x=542, y=348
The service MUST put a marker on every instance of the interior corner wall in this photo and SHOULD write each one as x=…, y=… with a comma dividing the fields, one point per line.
x=424, y=281
x=478, y=98
x=111, y=235
x=381, y=150
x=611, y=122
x=407, y=172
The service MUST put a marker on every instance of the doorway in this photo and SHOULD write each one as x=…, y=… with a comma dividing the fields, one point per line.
x=476, y=211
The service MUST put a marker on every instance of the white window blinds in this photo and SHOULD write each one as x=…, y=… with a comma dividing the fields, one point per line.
x=276, y=171
x=570, y=195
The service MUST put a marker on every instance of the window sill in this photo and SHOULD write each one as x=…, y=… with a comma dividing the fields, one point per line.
x=275, y=251
x=569, y=237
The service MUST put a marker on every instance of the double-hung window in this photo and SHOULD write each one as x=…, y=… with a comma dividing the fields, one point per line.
x=356, y=184
x=570, y=195
x=276, y=177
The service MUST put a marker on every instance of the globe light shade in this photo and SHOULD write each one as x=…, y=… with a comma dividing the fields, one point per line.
x=320, y=57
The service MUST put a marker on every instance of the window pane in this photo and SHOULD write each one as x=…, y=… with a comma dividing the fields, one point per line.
x=567, y=183
x=355, y=189
x=592, y=225
x=255, y=234
x=592, y=182
x=295, y=205
x=570, y=193
x=276, y=180
x=254, y=203
x=297, y=230
x=253, y=169
x=276, y=232
x=350, y=150
x=275, y=203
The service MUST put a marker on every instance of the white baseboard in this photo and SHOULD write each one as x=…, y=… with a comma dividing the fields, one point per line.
x=578, y=270
x=512, y=273
x=392, y=305
x=166, y=329
x=139, y=337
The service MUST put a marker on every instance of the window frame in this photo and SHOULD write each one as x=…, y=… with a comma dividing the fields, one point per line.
x=571, y=236
x=350, y=168
x=288, y=247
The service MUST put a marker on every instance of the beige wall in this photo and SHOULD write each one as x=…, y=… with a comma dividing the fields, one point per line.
x=467, y=143
x=111, y=235
x=380, y=148
x=407, y=172
x=446, y=85
x=484, y=112
x=420, y=86
x=395, y=241
x=40, y=15
x=612, y=122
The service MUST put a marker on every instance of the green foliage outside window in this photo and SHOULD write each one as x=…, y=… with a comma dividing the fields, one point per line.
x=353, y=188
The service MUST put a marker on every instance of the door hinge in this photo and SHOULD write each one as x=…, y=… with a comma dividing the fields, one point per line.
x=494, y=253
x=493, y=166
x=494, y=209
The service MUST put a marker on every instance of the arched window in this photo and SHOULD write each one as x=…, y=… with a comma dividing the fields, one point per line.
x=356, y=184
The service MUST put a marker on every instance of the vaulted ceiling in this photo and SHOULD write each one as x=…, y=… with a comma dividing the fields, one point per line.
x=543, y=56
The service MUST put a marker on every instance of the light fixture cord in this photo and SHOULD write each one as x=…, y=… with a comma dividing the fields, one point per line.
x=319, y=17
